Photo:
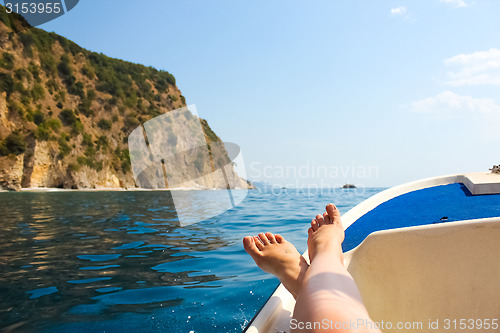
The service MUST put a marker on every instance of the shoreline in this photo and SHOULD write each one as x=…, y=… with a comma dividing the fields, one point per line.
x=137, y=189
x=110, y=189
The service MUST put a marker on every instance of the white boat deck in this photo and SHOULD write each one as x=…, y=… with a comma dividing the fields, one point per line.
x=482, y=183
x=275, y=315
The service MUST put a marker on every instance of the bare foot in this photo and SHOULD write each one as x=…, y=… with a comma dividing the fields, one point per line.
x=275, y=255
x=326, y=233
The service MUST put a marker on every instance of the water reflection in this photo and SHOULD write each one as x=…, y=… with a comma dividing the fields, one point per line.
x=102, y=261
x=76, y=252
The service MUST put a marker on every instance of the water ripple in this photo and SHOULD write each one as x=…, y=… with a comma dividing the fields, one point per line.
x=99, y=257
x=148, y=269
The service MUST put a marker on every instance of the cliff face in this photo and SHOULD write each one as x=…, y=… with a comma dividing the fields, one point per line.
x=66, y=113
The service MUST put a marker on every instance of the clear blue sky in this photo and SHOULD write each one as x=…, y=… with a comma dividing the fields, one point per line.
x=397, y=90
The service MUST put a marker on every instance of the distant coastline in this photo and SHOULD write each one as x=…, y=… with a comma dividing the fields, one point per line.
x=113, y=189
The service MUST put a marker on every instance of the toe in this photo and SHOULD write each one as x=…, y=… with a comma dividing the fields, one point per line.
x=327, y=218
x=271, y=238
x=250, y=247
x=314, y=225
x=258, y=243
x=280, y=239
x=263, y=238
x=333, y=213
x=310, y=231
x=320, y=219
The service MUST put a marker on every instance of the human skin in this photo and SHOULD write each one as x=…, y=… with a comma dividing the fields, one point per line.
x=327, y=298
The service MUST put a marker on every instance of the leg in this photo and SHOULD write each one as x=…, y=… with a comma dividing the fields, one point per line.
x=329, y=296
x=275, y=255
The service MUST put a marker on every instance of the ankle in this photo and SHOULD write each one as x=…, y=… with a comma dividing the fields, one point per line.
x=331, y=250
x=293, y=277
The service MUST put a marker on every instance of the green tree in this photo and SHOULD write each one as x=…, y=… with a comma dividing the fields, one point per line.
x=67, y=117
x=87, y=139
x=37, y=92
x=13, y=144
x=77, y=127
x=43, y=133
x=54, y=124
x=22, y=73
x=64, y=67
x=131, y=121
x=49, y=63
x=104, y=124
x=88, y=71
x=38, y=117
x=52, y=86
x=102, y=142
x=84, y=106
x=4, y=17
x=64, y=148
x=7, y=61
x=35, y=71
x=6, y=83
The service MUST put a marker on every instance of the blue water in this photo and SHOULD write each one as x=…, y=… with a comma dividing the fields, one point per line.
x=120, y=262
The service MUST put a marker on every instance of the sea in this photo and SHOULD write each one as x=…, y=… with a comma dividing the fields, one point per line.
x=73, y=261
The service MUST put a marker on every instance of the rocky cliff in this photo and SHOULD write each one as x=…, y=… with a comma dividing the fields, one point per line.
x=66, y=113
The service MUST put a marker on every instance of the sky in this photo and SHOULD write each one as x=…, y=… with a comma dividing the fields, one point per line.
x=320, y=93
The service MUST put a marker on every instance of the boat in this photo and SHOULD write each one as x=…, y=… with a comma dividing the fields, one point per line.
x=349, y=186
x=424, y=254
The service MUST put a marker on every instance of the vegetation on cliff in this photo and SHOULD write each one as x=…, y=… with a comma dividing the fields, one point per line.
x=81, y=104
